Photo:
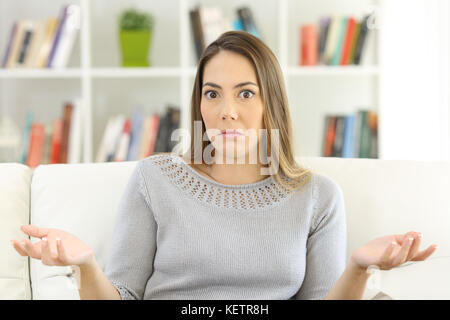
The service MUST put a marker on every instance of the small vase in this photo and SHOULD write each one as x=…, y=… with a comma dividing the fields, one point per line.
x=135, y=46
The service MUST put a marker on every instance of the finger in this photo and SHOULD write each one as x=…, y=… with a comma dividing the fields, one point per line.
x=19, y=248
x=386, y=256
x=34, y=231
x=62, y=255
x=47, y=257
x=403, y=253
x=32, y=249
x=422, y=255
x=415, y=246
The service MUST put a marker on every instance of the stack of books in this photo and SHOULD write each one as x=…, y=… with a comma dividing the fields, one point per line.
x=42, y=44
x=138, y=137
x=337, y=40
x=351, y=135
x=208, y=23
x=56, y=142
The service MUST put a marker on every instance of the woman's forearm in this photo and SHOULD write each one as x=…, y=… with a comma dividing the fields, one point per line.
x=94, y=285
x=350, y=285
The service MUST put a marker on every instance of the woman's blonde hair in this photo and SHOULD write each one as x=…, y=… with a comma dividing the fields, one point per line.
x=276, y=113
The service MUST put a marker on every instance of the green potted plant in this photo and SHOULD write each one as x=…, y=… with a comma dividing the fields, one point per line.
x=135, y=37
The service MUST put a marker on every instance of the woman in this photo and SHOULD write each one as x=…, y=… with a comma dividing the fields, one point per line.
x=219, y=223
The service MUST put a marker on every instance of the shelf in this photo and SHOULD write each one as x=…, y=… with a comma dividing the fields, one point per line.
x=136, y=72
x=39, y=73
x=333, y=71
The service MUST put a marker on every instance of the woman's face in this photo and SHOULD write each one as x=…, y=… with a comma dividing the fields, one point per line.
x=231, y=100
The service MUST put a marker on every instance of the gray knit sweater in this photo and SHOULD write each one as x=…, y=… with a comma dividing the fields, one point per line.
x=180, y=235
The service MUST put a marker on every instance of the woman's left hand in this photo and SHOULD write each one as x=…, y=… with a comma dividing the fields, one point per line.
x=391, y=251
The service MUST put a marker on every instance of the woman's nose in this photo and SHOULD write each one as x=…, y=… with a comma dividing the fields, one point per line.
x=228, y=112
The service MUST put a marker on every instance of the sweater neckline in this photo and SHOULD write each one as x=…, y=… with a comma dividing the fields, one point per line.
x=265, y=193
x=219, y=184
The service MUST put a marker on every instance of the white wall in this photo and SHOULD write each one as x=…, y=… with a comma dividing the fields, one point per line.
x=414, y=80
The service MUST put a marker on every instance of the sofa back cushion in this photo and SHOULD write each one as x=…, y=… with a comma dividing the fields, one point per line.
x=14, y=212
x=81, y=199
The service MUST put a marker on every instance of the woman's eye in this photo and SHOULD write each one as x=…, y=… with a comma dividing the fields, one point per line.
x=211, y=91
x=247, y=94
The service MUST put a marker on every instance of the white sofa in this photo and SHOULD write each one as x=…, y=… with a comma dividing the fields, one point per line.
x=381, y=197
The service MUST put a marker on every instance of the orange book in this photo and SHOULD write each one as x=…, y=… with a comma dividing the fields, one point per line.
x=36, y=145
x=345, y=58
x=56, y=141
x=309, y=45
x=153, y=135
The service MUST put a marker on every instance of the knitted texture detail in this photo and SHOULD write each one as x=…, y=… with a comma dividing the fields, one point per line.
x=257, y=195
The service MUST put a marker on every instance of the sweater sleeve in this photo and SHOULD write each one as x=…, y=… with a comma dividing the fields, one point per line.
x=133, y=245
x=327, y=240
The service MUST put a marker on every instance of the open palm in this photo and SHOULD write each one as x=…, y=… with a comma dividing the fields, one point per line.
x=391, y=251
x=56, y=247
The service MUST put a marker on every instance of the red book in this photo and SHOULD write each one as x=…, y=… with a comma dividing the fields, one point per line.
x=56, y=141
x=36, y=145
x=330, y=135
x=154, y=134
x=309, y=40
x=345, y=58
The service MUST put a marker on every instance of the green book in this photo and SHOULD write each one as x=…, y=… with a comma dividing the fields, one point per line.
x=365, y=138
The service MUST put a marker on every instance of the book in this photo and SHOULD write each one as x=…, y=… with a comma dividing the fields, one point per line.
x=330, y=133
x=245, y=14
x=361, y=40
x=346, y=50
x=16, y=44
x=114, y=137
x=36, y=41
x=123, y=143
x=67, y=115
x=197, y=31
x=154, y=128
x=332, y=39
x=56, y=141
x=373, y=125
x=354, y=43
x=135, y=136
x=365, y=135
x=47, y=143
x=57, y=36
x=102, y=155
x=26, y=137
x=340, y=40
x=323, y=32
x=36, y=145
x=349, y=131
x=9, y=45
x=339, y=137
x=75, y=133
x=145, y=137
x=28, y=34
x=46, y=45
x=212, y=22
x=309, y=39
x=68, y=36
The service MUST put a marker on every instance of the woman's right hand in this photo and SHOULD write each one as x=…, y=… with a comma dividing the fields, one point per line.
x=56, y=247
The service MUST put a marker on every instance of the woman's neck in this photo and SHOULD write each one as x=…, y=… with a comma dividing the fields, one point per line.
x=231, y=174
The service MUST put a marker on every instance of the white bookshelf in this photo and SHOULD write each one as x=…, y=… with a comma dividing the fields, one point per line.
x=95, y=75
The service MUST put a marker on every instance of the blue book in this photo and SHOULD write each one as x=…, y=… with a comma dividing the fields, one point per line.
x=347, y=148
x=135, y=136
x=26, y=137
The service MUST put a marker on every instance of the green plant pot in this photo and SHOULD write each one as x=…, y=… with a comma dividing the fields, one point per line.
x=135, y=46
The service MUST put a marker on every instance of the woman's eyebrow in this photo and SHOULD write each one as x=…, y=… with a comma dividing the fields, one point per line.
x=236, y=86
